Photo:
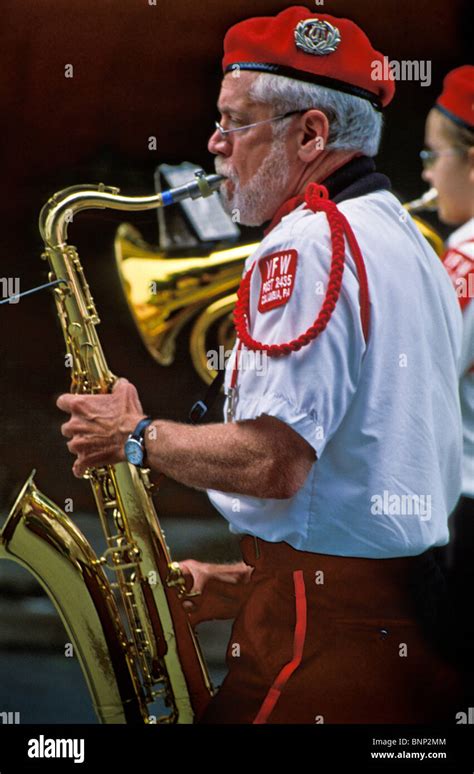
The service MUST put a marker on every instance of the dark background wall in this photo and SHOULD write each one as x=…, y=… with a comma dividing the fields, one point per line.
x=140, y=70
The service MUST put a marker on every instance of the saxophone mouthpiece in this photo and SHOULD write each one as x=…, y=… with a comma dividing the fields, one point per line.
x=428, y=201
x=203, y=185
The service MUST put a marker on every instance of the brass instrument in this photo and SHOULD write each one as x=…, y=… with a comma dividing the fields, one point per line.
x=429, y=202
x=131, y=634
x=164, y=293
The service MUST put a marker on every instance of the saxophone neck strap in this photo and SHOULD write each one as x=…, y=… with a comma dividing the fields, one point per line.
x=200, y=408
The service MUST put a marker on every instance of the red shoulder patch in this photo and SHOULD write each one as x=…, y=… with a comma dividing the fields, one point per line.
x=278, y=271
x=460, y=267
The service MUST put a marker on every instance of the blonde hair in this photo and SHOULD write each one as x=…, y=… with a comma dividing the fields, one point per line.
x=457, y=135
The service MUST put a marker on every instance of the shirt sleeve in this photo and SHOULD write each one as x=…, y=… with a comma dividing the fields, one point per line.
x=311, y=389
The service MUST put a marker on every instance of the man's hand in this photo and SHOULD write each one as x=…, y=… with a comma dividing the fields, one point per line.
x=100, y=425
x=220, y=589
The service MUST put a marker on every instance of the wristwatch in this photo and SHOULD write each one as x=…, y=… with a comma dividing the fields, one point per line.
x=135, y=443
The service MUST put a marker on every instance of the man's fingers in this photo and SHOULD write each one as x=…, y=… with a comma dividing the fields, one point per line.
x=194, y=576
x=89, y=460
x=66, y=430
x=67, y=402
x=90, y=455
x=85, y=443
x=75, y=426
x=120, y=385
x=78, y=469
x=84, y=405
x=87, y=406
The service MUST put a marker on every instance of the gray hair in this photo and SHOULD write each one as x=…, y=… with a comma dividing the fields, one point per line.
x=354, y=124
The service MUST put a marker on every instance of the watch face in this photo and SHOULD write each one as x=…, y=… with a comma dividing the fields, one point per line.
x=134, y=451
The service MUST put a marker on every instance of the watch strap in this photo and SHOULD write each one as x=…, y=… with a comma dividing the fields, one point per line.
x=139, y=431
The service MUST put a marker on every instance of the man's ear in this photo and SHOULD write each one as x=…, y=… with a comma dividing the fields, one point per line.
x=314, y=132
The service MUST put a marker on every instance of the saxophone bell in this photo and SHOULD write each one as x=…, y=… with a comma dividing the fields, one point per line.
x=40, y=537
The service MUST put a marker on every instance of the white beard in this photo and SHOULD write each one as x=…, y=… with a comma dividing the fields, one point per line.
x=249, y=204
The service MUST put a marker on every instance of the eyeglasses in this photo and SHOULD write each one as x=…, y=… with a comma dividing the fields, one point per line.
x=428, y=157
x=225, y=132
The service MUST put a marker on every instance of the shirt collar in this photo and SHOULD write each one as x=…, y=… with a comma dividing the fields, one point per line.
x=356, y=178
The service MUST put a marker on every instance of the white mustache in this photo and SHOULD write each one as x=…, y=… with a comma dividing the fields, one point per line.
x=222, y=169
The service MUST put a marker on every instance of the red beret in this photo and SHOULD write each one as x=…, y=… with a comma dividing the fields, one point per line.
x=457, y=98
x=317, y=48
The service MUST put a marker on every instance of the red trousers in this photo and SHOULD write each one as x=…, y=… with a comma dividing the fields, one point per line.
x=329, y=639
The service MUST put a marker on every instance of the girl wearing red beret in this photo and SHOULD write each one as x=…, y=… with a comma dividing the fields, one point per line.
x=449, y=167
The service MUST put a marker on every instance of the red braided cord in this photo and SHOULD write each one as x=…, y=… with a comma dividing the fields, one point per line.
x=363, y=281
x=316, y=198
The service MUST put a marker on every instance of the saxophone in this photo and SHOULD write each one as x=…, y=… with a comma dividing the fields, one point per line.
x=122, y=610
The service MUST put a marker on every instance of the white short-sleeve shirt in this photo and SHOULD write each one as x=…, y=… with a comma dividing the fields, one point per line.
x=383, y=416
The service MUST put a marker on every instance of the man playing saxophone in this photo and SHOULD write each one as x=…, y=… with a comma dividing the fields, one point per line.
x=338, y=467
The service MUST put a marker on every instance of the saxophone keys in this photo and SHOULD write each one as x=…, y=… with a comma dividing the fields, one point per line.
x=74, y=329
x=124, y=557
x=149, y=485
x=176, y=578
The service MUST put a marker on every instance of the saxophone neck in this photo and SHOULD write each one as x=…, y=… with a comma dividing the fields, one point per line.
x=76, y=307
x=61, y=208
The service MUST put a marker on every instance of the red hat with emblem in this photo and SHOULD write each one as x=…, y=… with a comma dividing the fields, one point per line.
x=316, y=48
x=456, y=100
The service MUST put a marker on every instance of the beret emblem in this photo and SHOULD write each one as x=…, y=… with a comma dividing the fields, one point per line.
x=317, y=37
